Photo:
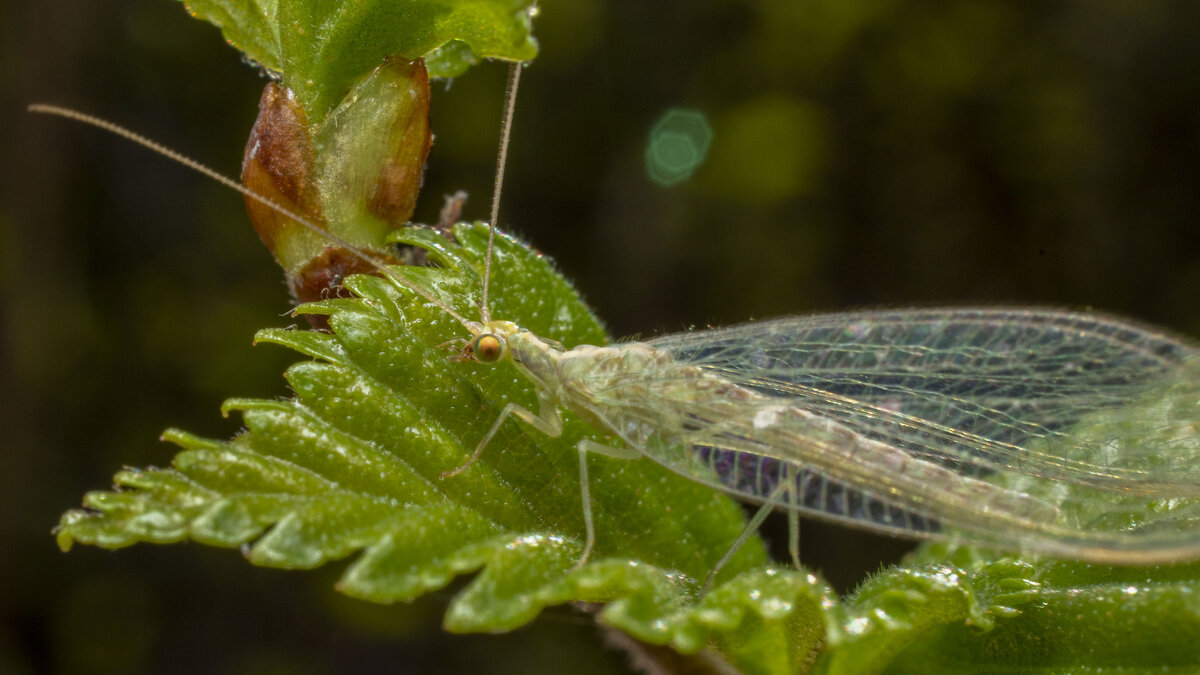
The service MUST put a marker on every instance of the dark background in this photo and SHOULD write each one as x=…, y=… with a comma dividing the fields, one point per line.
x=865, y=154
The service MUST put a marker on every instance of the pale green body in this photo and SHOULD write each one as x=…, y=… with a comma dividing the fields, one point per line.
x=1069, y=455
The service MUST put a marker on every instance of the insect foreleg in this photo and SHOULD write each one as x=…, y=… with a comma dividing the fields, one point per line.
x=546, y=420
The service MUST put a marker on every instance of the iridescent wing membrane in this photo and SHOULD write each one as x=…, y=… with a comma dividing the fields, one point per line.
x=1075, y=435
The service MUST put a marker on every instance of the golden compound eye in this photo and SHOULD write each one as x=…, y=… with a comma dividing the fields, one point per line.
x=488, y=348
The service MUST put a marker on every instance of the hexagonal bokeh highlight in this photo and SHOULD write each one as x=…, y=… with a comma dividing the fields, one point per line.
x=678, y=145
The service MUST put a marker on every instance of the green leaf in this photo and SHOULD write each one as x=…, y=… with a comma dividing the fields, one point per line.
x=352, y=464
x=986, y=613
x=323, y=47
x=350, y=467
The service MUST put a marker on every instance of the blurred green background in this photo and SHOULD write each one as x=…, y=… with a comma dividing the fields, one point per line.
x=874, y=153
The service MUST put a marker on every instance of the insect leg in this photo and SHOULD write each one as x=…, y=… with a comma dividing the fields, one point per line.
x=585, y=493
x=546, y=420
x=769, y=505
x=586, y=446
x=595, y=448
x=793, y=514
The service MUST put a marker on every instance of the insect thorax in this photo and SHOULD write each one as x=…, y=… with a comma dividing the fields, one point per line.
x=537, y=358
x=633, y=384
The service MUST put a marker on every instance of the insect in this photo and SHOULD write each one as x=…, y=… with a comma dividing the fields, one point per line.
x=1074, y=435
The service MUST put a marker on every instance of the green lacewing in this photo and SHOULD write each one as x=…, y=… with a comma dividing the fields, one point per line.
x=1075, y=435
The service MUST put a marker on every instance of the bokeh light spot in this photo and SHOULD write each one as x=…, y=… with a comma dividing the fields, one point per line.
x=678, y=145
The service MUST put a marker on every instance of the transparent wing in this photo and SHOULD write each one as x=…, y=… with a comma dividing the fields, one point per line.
x=1065, y=433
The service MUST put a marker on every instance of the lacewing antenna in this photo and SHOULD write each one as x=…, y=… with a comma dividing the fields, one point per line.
x=92, y=120
x=510, y=102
